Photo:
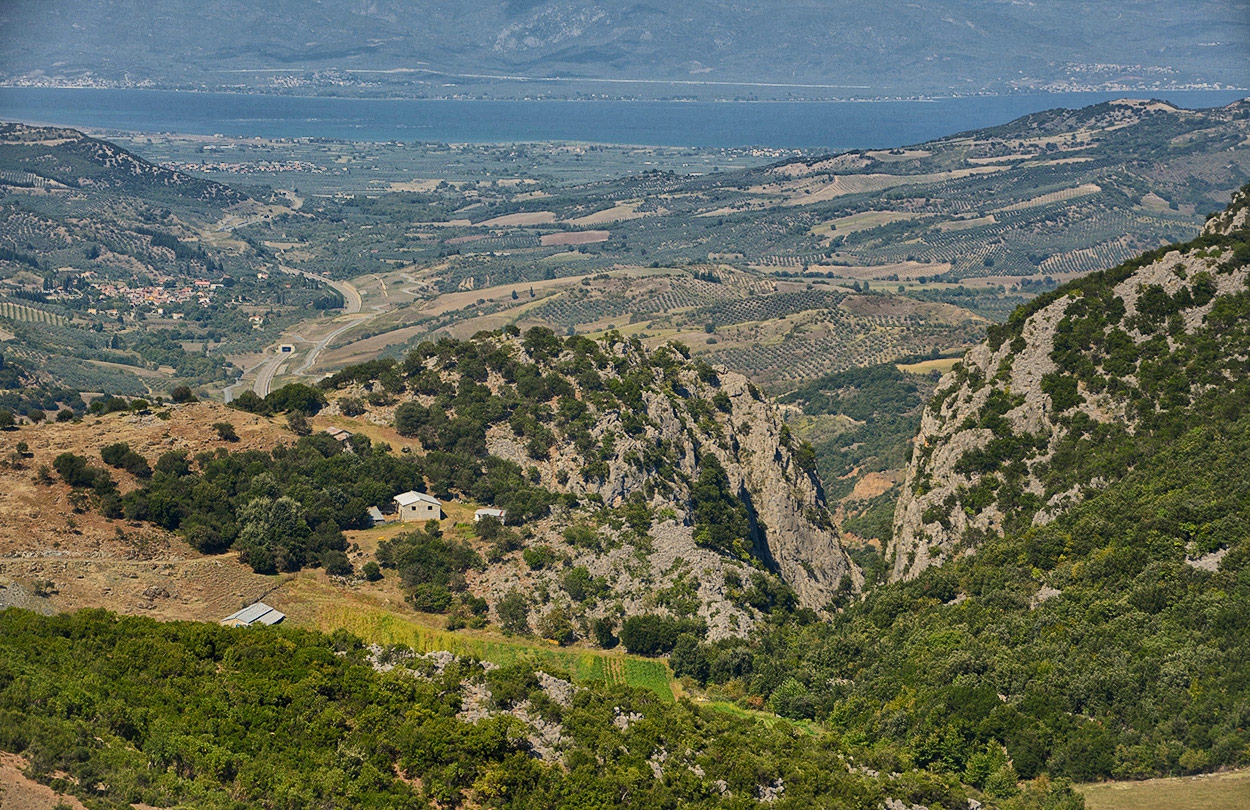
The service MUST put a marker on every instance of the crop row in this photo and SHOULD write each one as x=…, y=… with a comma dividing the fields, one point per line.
x=759, y=308
x=21, y=312
x=864, y=343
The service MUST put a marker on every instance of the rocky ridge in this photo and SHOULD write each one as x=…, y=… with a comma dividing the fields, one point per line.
x=624, y=426
x=1028, y=423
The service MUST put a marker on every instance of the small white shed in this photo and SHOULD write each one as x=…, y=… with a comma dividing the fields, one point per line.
x=490, y=511
x=418, y=506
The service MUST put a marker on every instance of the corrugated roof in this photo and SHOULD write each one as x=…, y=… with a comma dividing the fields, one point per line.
x=490, y=511
x=272, y=617
x=258, y=612
x=409, y=498
x=376, y=514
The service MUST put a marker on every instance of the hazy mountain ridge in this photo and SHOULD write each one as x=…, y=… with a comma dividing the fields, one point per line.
x=1065, y=397
x=809, y=48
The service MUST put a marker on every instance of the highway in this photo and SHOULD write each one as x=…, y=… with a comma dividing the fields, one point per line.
x=272, y=365
x=320, y=345
x=351, y=296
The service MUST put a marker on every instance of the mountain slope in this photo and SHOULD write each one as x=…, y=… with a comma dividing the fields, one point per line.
x=1109, y=643
x=1072, y=568
x=66, y=158
x=1075, y=389
x=698, y=449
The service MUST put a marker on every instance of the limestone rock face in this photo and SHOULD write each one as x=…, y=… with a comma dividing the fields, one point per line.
x=985, y=457
x=792, y=530
x=792, y=526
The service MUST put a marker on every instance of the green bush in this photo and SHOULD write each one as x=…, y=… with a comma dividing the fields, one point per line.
x=652, y=634
x=336, y=563
x=513, y=612
x=540, y=557
x=556, y=626
x=226, y=431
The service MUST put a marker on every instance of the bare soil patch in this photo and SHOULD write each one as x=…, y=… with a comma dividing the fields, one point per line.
x=617, y=213
x=18, y=792
x=870, y=486
x=461, y=240
x=575, y=238
x=528, y=218
x=48, y=533
x=1216, y=791
x=942, y=364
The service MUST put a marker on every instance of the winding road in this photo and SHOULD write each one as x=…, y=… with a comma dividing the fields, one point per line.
x=272, y=365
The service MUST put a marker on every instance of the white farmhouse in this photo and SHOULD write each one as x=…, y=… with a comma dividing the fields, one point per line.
x=490, y=511
x=418, y=506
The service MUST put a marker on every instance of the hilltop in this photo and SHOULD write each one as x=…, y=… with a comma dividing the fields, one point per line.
x=615, y=424
x=636, y=483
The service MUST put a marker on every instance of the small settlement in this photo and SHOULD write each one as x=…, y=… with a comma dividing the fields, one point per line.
x=413, y=507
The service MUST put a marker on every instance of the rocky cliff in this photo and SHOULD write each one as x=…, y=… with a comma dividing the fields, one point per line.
x=607, y=425
x=1056, y=401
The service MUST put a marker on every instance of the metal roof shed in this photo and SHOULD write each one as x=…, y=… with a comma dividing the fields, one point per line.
x=257, y=613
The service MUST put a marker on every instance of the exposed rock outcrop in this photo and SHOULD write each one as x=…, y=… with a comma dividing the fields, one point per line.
x=610, y=422
x=1000, y=444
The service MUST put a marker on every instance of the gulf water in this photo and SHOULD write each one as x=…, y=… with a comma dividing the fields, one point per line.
x=811, y=125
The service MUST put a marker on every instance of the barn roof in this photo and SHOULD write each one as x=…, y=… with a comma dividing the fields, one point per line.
x=409, y=498
x=257, y=613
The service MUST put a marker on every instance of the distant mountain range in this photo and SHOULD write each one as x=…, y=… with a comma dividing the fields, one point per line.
x=702, y=48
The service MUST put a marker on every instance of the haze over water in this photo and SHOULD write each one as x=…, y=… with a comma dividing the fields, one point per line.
x=812, y=125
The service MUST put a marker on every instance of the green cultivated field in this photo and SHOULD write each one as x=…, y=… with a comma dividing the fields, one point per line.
x=378, y=627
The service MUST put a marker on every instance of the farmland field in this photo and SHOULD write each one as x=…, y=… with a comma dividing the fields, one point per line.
x=1217, y=791
x=378, y=626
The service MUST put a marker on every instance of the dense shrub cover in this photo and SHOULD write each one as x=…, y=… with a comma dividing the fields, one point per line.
x=1131, y=663
x=286, y=508
x=129, y=710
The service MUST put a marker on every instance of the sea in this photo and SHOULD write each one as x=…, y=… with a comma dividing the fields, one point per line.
x=782, y=124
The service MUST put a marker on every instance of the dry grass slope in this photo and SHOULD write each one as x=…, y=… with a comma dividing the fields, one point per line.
x=1218, y=791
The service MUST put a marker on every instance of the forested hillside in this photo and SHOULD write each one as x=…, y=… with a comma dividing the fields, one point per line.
x=1077, y=388
x=1112, y=642
x=128, y=710
x=1095, y=625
